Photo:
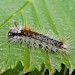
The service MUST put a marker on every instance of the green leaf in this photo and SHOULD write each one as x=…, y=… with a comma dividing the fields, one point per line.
x=54, y=18
x=17, y=70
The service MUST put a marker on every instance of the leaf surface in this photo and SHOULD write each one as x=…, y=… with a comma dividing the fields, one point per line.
x=54, y=18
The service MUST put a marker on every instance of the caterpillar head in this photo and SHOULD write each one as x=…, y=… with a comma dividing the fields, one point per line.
x=14, y=33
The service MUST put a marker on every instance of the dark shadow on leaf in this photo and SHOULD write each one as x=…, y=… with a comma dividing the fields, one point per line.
x=15, y=71
x=64, y=71
x=36, y=72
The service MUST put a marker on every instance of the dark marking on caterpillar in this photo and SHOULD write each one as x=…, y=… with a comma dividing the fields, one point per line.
x=40, y=45
x=36, y=40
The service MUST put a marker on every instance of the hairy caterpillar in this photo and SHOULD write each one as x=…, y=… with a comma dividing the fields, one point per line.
x=34, y=39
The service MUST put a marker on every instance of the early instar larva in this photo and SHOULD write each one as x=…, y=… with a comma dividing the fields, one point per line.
x=34, y=39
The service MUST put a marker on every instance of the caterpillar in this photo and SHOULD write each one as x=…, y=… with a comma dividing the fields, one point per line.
x=34, y=39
